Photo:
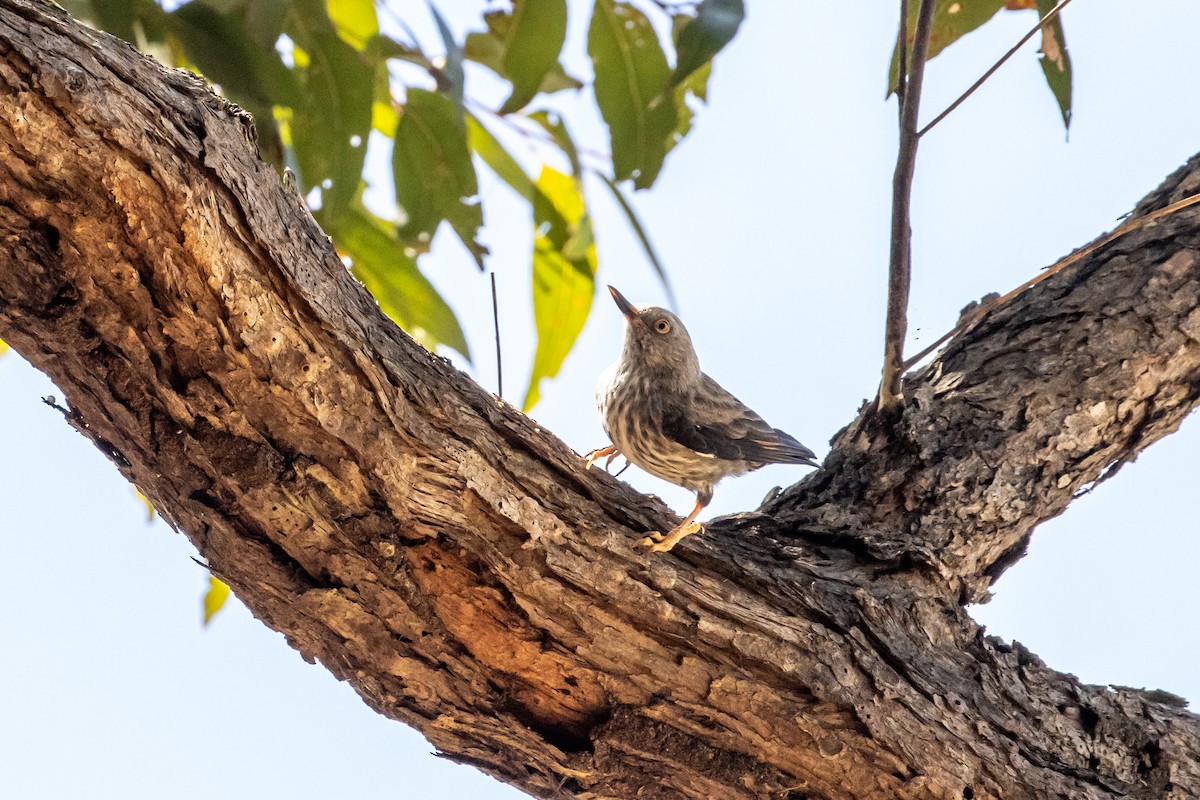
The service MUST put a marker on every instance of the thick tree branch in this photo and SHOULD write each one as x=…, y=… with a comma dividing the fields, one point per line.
x=460, y=569
x=1048, y=394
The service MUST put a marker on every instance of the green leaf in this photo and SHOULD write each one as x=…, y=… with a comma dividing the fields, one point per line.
x=491, y=49
x=354, y=20
x=116, y=17
x=435, y=177
x=390, y=48
x=232, y=54
x=564, y=273
x=331, y=126
x=221, y=48
x=264, y=21
x=631, y=76
x=535, y=38
x=498, y=159
x=636, y=223
x=952, y=19
x=714, y=26
x=3, y=347
x=452, y=79
x=694, y=85
x=552, y=124
x=383, y=109
x=1056, y=61
x=378, y=259
x=214, y=598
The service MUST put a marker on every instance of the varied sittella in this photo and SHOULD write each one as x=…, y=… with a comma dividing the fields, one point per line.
x=669, y=418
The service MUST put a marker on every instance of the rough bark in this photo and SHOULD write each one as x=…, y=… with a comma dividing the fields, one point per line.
x=456, y=564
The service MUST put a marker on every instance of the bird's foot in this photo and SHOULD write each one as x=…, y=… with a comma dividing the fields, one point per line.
x=600, y=452
x=662, y=543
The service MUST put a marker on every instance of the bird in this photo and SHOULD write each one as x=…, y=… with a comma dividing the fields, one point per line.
x=670, y=419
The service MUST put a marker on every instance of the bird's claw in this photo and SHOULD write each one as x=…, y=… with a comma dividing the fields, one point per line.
x=600, y=452
x=662, y=543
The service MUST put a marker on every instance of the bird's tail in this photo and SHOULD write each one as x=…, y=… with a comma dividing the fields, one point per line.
x=787, y=450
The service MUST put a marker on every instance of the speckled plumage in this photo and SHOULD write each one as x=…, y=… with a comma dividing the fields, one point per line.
x=669, y=418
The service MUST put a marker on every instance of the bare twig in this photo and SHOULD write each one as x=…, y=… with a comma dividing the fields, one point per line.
x=496, y=324
x=1051, y=14
x=1128, y=227
x=900, y=263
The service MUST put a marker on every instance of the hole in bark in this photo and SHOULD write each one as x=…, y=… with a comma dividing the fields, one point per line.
x=1088, y=720
x=47, y=232
x=569, y=739
x=1151, y=754
x=205, y=499
x=968, y=793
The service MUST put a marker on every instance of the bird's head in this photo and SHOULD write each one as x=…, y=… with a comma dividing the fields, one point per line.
x=655, y=340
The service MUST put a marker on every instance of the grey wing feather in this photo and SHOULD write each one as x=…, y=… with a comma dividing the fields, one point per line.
x=721, y=425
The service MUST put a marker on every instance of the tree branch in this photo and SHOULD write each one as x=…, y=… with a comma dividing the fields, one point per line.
x=900, y=261
x=1061, y=385
x=428, y=544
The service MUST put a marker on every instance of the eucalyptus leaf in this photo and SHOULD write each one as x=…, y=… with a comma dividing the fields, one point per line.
x=553, y=124
x=220, y=47
x=116, y=17
x=354, y=20
x=702, y=37
x=535, y=38
x=214, y=598
x=952, y=19
x=490, y=49
x=1056, y=61
x=631, y=78
x=694, y=85
x=379, y=259
x=452, y=79
x=496, y=156
x=435, y=177
x=330, y=128
x=564, y=273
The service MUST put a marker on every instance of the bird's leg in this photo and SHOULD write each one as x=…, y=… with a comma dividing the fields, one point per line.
x=600, y=452
x=660, y=543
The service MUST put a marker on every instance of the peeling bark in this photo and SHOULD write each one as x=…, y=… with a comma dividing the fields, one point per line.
x=456, y=564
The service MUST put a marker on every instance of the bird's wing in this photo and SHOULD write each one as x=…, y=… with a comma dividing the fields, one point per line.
x=717, y=423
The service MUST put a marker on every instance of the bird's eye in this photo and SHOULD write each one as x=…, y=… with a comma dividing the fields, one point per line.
x=663, y=326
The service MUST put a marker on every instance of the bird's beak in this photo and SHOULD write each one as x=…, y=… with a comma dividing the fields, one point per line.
x=627, y=308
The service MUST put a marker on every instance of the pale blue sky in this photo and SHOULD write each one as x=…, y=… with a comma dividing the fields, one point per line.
x=772, y=219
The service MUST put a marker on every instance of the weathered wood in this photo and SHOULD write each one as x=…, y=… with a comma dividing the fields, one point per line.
x=456, y=564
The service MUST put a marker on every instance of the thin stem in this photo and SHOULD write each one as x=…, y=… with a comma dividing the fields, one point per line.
x=900, y=263
x=1051, y=14
x=496, y=324
x=902, y=59
x=1122, y=230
